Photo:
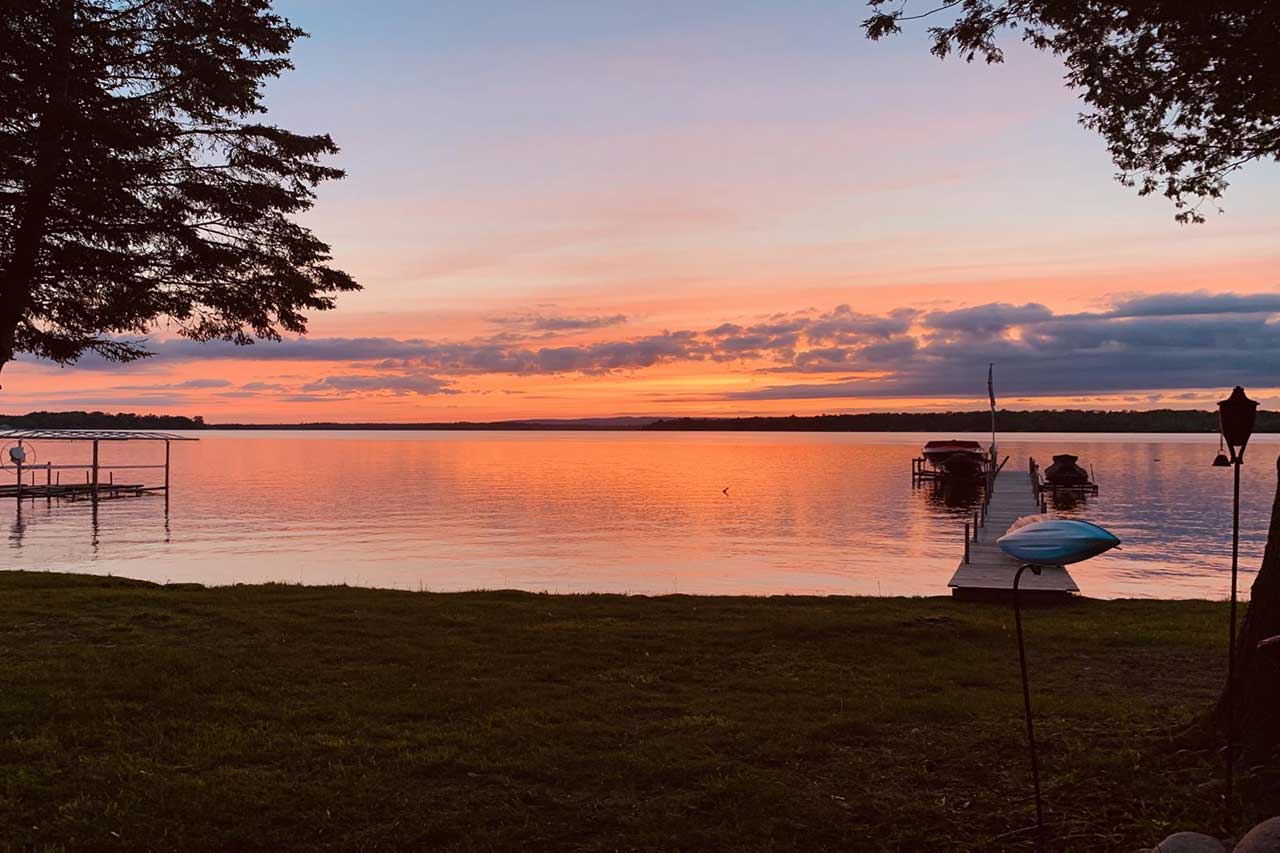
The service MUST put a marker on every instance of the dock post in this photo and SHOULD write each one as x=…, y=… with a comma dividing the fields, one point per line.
x=94, y=480
x=966, y=542
x=18, y=462
x=166, y=466
x=975, y=527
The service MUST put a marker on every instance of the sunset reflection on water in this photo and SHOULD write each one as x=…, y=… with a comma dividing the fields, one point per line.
x=622, y=512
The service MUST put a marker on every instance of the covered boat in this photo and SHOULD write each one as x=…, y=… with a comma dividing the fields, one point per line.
x=1065, y=472
x=958, y=458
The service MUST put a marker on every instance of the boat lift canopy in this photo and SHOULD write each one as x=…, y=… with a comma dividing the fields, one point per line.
x=92, y=485
x=10, y=434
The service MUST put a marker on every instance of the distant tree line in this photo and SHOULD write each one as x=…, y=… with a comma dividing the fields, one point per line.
x=99, y=420
x=451, y=426
x=1042, y=420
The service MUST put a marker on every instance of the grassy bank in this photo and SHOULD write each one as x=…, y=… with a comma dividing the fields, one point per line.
x=274, y=717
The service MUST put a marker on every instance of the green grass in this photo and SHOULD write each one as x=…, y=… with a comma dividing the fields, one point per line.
x=272, y=717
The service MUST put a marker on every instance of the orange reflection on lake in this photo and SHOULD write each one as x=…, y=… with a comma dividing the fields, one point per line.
x=620, y=512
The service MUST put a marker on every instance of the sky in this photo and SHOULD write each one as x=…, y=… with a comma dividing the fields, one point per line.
x=572, y=209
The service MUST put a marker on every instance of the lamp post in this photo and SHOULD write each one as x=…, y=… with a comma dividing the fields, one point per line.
x=1236, y=417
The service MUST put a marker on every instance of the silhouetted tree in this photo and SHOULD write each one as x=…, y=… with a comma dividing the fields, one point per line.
x=136, y=184
x=1257, y=702
x=1183, y=91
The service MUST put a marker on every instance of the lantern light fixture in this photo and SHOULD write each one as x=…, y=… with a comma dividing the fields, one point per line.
x=1236, y=417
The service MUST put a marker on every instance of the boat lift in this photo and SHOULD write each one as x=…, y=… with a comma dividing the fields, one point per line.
x=1044, y=486
x=15, y=456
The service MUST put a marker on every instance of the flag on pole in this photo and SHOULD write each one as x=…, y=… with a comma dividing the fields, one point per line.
x=991, y=393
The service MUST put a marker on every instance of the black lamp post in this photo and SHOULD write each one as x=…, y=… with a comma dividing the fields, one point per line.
x=1236, y=417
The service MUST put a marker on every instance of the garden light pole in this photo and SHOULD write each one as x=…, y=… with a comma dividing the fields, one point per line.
x=1236, y=417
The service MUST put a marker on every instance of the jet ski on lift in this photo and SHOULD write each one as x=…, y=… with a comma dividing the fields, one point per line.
x=1065, y=472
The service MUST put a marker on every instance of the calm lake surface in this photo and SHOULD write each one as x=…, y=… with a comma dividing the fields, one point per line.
x=623, y=512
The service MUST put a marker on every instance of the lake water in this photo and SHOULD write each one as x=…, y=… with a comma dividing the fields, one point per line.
x=623, y=512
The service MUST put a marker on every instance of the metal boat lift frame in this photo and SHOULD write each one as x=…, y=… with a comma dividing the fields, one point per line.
x=93, y=487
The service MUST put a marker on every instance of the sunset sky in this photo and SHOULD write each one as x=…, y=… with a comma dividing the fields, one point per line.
x=570, y=209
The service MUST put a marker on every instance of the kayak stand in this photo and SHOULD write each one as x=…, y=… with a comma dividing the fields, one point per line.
x=1037, y=571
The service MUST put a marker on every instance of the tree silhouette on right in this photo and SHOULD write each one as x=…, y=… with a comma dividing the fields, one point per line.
x=1184, y=92
x=1257, y=695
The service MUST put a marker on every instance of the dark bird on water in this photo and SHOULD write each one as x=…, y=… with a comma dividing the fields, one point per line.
x=725, y=490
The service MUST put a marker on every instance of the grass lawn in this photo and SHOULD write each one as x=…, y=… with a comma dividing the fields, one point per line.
x=271, y=717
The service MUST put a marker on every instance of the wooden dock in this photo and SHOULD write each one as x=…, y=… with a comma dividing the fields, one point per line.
x=987, y=572
x=76, y=491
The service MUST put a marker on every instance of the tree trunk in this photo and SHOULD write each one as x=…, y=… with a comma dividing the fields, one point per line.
x=18, y=274
x=1257, y=682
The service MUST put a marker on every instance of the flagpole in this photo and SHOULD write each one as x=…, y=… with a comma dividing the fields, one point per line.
x=991, y=394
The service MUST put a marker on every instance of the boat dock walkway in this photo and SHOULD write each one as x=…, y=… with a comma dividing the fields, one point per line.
x=987, y=572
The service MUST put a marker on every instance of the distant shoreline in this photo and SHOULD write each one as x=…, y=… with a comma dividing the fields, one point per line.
x=1033, y=421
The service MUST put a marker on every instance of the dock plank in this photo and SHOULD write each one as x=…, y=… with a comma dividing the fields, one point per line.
x=990, y=570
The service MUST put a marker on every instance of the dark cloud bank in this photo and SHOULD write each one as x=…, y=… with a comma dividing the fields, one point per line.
x=1157, y=342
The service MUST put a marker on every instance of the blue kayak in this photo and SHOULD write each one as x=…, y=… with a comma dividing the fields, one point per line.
x=1057, y=541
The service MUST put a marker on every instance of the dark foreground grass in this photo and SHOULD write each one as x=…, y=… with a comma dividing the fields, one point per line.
x=274, y=717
